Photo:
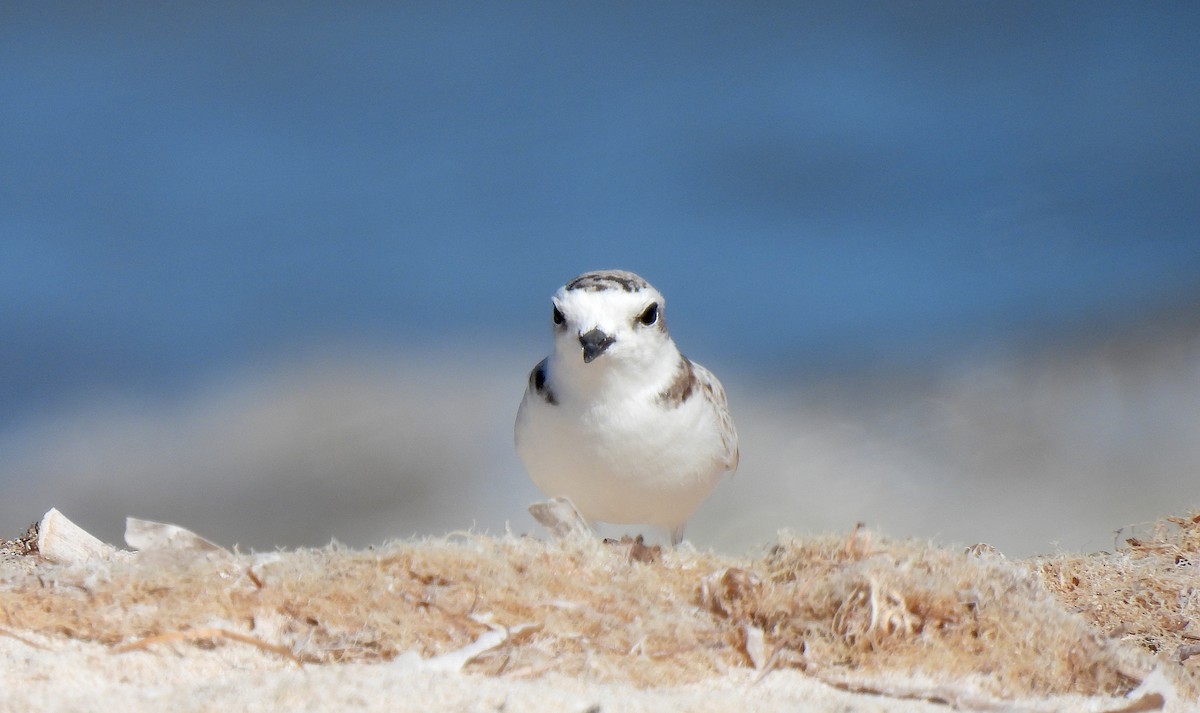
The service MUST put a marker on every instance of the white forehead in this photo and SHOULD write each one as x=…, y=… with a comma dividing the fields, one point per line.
x=607, y=306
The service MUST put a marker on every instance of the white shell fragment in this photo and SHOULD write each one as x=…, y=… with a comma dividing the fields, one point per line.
x=62, y=541
x=149, y=535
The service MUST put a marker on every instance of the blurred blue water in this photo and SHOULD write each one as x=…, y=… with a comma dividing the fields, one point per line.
x=185, y=186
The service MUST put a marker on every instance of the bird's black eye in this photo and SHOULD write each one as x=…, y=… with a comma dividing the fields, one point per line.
x=649, y=315
x=558, y=315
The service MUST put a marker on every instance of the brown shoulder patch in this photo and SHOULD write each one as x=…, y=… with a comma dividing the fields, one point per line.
x=682, y=386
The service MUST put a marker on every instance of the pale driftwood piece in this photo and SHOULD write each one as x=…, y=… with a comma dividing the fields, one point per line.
x=208, y=633
x=22, y=639
x=560, y=517
x=1144, y=704
x=145, y=535
x=62, y=541
x=1156, y=689
x=967, y=697
x=455, y=660
x=756, y=648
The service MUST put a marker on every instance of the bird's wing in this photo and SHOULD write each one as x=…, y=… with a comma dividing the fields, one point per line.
x=715, y=394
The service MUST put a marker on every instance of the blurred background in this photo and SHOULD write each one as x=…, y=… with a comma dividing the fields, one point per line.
x=277, y=272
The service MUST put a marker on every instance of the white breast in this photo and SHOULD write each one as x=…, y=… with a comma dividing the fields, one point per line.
x=623, y=461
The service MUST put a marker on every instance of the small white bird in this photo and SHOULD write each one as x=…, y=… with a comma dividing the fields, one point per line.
x=616, y=419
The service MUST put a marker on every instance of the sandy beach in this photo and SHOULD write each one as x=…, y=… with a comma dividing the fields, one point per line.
x=849, y=622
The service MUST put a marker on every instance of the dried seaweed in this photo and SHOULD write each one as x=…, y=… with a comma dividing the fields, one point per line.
x=845, y=609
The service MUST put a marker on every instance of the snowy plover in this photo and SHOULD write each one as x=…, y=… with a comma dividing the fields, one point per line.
x=616, y=419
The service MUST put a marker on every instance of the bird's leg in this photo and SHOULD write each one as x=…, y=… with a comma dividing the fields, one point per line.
x=677, y=534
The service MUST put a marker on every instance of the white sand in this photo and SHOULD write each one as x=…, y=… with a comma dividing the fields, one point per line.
x=68, y=675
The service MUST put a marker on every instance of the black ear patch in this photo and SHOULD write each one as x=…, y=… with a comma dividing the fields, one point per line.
x=537, y=382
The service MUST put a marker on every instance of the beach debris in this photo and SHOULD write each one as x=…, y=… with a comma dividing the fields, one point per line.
x=22, y=546
x=62, y=541
x=560, y=517
x=636, y=549
x=145, y=535
x=456, y=660
x=754, y=646
x=727, y=591
x=1156, y=692
x=28, y=642
x=207, y=634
